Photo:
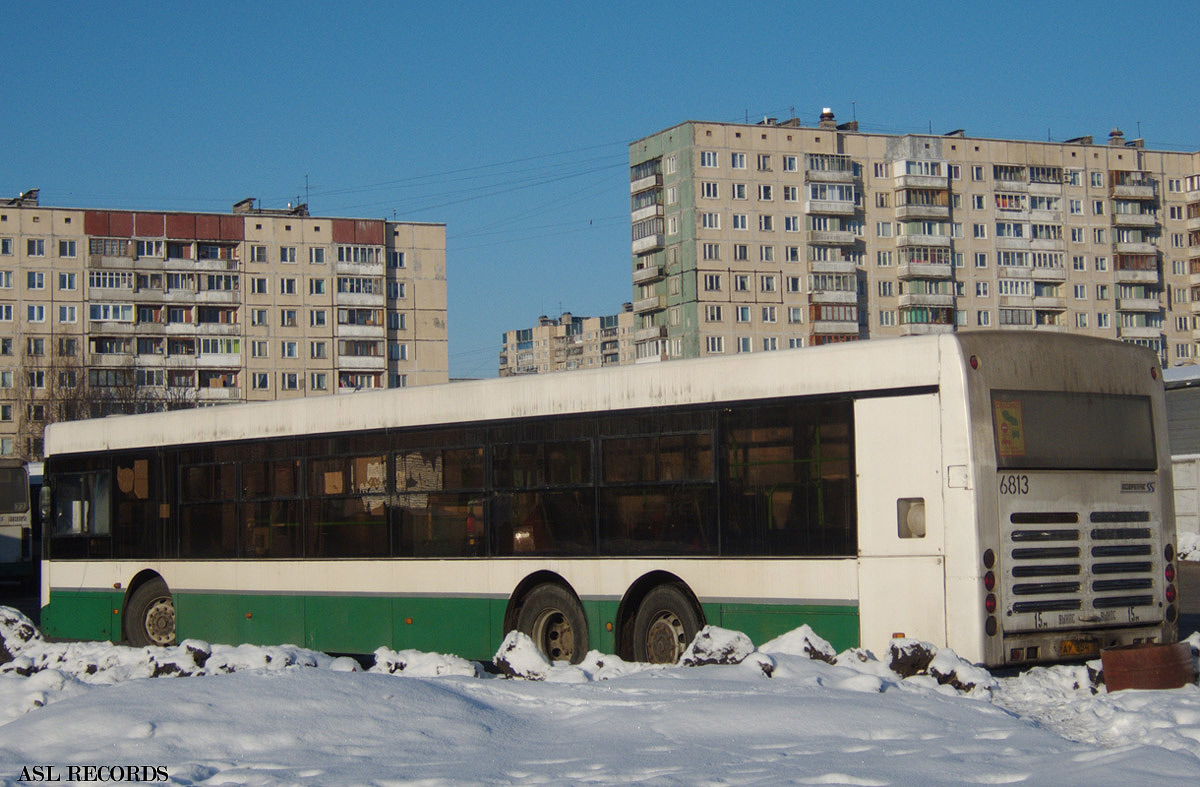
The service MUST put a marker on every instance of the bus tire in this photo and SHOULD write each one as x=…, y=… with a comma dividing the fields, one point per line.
x=150, y=615
x=553, y=618
x=666, y=623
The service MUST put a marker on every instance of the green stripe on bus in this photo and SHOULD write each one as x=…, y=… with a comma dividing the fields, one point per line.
x=471, y=627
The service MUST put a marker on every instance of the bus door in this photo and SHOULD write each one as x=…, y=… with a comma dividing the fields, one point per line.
x=898, y=454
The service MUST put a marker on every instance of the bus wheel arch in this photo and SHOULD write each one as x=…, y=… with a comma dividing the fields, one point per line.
x=149, y=614
x=546, y=608
x=656, y=603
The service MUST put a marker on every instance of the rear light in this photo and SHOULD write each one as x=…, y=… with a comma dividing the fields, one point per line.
x=1172, y=613
x=974, y=362
x=991, y=626
x=1169, y=552
x=989, y=603
x=1170, y=594
x=1169, y=572
x=1153, y=373
x=989, y=558
x=989, y=581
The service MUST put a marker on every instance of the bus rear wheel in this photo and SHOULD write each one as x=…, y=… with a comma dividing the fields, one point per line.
x=150, y=615
x=666, y=623
x=553, y=618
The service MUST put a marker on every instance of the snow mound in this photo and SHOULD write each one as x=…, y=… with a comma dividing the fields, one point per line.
x=801, y=642
x=1189, y=546
x=519, y=657
x=17, y=633
x=910, y=658
x=103, y=662
x=715, y=645
x=419, y=664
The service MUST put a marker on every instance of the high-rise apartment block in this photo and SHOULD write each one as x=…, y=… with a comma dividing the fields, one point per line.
x=759, y=237
x=121, y=311
x=569, y=342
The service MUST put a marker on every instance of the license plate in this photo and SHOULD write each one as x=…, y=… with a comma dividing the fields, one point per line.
x=1078, y=647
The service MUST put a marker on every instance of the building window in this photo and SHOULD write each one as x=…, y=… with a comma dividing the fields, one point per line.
x=765, y=192
x=35, y=247
x=737, y=160
x=288, y=350
x=318, y=381
x=287, y=253
x=287, y=318
x=287, y=286
x=289, y=381
x=710, y=190
x=708, y=158
x=712, y=251
x=258, y=285
x=259, y=381
x=258, y=253
x=318, y=349
x=317, y=318
x=744, y=345
x=258, y=316
x=66, y=248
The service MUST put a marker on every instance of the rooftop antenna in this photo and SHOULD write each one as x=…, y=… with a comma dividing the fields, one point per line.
x=853, y=111
x=1139, y=125
x=305, y=188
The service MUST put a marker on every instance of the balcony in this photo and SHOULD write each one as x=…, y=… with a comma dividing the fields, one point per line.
x=1011, y=185
x=930, y=299
x=1133, y=191
x=832, y=266
x=940, y=241
x=231, y=394
x=218, y=329
x=925, y=328
x=218, y=296
x=834, y=327
x=1049, y=274
x=1193, y=224
x=1139, y=305
x=1135, y=248
x=1015, y=244
x=829, y=176
x=648, y=212
x=360, y=332
x=652, y=304
x=1050, y=327
x=219, y=361
x=652, y=332
x=922, y=212
x=648, y=243
x=1049, y=303
x=1130, y=276
x=830, y=207
x=1015, y=301
x=1138, y=332
x=1046, y=244
x=358, y=299
x=361, y=363
x=840, y=297
x=832, y=237
x=648, y=274
x=920, y=182
x=359, y=268
x=1134, y=220
x=648, y=182
x=923, y=270
x=207, y=265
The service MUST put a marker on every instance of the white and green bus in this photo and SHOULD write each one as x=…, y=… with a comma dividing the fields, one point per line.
x=1006, y=494
x=18, y=531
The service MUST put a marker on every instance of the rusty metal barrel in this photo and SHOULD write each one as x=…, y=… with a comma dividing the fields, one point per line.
x=1151, y=666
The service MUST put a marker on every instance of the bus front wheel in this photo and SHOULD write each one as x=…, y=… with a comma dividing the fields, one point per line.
x=150, y=615
x=553, y=618
x=666, y=623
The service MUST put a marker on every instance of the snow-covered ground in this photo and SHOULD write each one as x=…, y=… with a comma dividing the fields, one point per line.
x=283, y=716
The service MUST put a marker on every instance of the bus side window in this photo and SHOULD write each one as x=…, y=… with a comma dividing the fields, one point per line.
x=82, y=505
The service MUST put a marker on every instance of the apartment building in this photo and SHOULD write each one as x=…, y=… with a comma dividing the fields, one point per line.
x=758, y=237
x=569, y=342
x=123, y=311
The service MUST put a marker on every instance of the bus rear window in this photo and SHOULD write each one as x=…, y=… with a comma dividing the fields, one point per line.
x=1055, y=430
x=14, y=490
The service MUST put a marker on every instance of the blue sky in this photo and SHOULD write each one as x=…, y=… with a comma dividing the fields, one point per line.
x=510, y=122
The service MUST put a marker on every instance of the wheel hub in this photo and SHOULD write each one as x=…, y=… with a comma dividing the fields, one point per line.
x=160, y=621
x=664, y=639
x=554, y=636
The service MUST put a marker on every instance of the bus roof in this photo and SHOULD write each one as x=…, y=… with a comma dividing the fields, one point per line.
x=875, y=365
